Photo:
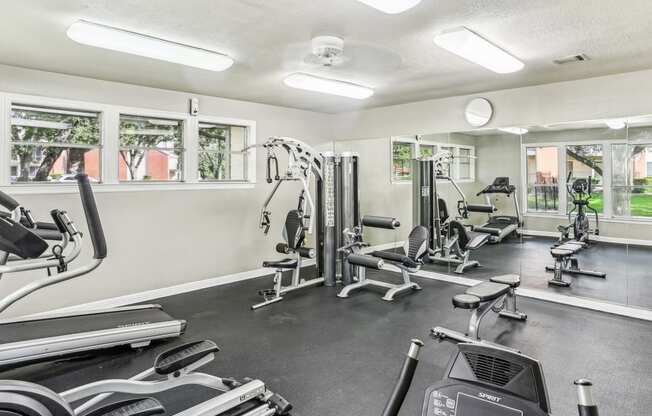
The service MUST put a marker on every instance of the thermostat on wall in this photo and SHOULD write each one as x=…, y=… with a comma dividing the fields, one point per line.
x=194, y=106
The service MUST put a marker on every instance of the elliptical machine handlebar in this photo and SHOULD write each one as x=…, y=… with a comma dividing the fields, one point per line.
x=8, y=202
x=405, y=377
x=92, y=216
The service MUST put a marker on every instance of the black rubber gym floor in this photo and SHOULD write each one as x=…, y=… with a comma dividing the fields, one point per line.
x=628, y=282
x=337, y=357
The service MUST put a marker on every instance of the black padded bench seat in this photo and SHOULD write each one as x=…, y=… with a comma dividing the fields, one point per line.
x=396, y=258
x=511, y=280
x=282, y=264
x=479, y=293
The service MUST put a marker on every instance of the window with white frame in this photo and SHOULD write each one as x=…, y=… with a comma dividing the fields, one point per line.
x=631, y=180
x=620, y=189
x=404, y=149
x=222, y=152
x=542, y=178
x=151, y=149
x=586, y=161
x=52, y=145
x=47, y=141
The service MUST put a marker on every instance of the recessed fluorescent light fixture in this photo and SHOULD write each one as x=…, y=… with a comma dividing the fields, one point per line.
x=615, y=124
x=328, y=86
x=514, y=130
x=391, y=6
x=472, y=47
x=108, y=37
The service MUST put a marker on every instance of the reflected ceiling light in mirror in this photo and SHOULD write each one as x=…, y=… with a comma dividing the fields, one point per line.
x=391, y=6
x=328, y=86
x=615, y=124
x=514, y=130
x=474, y=48
x=107, y=37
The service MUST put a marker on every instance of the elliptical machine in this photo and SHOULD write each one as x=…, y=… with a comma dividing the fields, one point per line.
x=580, y=190
x=485, y=380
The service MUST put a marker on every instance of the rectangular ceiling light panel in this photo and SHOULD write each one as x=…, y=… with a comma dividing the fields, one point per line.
x=107, y=37
x=328, y=86
x=472, y=47
x=391, y=6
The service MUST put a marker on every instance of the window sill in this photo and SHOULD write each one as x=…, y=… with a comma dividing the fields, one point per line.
x=25, y=189
x=602, y=219
x=441, y=181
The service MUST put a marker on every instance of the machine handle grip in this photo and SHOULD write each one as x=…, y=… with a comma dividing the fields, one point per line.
x=585, y=404
x=307, y=252
x=375, y=221
x=92, y=216
x=402, y=386
x=8, y=202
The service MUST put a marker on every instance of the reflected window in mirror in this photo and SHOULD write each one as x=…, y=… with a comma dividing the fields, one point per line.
x=402, y=154
x=542, y=170
x=632, y=180
x=585, y=161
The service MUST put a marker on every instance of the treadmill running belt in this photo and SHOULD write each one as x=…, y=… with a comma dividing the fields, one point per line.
x=53, y=327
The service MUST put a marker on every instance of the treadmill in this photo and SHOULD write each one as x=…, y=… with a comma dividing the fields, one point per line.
x=23, y=247
x=499, y=226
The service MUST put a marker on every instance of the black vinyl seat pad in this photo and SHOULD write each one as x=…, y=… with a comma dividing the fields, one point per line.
x=282, y=264
x=511, y=280
x=487, y=291
x=465, y=301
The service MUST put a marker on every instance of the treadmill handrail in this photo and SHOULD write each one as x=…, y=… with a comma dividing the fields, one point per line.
x=24, y=291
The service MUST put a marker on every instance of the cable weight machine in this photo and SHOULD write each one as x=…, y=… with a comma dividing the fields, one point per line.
x=327, y=204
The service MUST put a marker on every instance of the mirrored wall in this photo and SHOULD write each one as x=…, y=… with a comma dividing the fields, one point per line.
x=539, y=178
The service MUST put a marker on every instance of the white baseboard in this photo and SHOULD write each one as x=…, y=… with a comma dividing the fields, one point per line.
x=602, y=238
x=148, y=295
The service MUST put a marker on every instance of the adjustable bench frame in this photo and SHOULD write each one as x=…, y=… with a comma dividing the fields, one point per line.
x=503, y=304
x=416, y=246
x=361, y=265
x=569, y=263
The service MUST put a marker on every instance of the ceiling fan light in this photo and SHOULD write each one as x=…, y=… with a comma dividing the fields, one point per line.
x=474, y=48
x=327, y=86
x=107, y=37
x=391, y=6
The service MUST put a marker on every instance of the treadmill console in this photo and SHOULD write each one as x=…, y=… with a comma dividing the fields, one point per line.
x=488, y=381
x=500, y=185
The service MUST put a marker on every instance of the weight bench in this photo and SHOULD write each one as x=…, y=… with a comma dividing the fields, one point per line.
x=416, y=248
x=498, y=295
x=566, y=262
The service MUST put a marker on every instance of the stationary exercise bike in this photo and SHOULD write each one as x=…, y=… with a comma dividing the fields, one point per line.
x=580, y=192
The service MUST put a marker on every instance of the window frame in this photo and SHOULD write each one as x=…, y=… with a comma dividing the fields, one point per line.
x=455, y=169
x=249, y=155
x=607, y=216
x=183, y=150
x=109, y=117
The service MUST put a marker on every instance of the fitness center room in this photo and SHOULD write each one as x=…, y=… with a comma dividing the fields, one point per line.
x=343, y=208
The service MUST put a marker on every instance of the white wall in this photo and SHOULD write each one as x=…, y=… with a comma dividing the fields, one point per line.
x=602, y=97
x=161, y=238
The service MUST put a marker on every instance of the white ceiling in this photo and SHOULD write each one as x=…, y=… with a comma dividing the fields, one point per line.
x=392, y=53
